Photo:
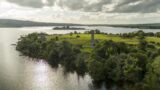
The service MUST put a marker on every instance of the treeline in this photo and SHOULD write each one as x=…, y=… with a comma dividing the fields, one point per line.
x=54, y=51
x=140, y=26
x=128, y=35
x=108, y=62
x=139, y=33
x=119, y=62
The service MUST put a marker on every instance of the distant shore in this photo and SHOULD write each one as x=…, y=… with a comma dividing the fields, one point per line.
x=9, y=23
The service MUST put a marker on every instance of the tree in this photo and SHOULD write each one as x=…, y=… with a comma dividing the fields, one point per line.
x=142, y=44
x=131, y=70
x=96, y=70
x=81, y=67
x=113, y=68
x=152, y=78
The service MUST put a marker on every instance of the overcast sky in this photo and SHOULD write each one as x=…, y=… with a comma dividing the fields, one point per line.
x=82, y=11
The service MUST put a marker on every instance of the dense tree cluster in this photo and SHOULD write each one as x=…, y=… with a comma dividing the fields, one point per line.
x=139, y=33
x=55, y=52
x=109, y=61
x=95, y=31
x=140, y=26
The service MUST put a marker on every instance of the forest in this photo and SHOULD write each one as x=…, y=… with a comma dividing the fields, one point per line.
x=129, y=58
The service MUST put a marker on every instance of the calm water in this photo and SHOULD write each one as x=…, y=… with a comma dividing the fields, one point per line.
x=22, y=73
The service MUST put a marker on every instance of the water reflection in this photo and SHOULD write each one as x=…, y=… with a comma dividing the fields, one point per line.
x=22, y=73
x=40, y=76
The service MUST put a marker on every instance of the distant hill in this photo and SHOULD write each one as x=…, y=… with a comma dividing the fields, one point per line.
x=22, y=23
x=140, y=26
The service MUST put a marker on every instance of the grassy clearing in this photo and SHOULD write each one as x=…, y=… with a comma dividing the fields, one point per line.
x=84, y=39
x=153, y=39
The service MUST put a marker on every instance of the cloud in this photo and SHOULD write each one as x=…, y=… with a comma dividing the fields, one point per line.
x=30, y=3
x=82, y=11
x=137, y=6
x=98, y=6
x=49, y=14
x=72, y=4
x=108, y=6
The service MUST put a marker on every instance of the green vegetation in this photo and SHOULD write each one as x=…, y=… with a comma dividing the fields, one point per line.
x=130, y=57
x=55, y=52
x=140, y=26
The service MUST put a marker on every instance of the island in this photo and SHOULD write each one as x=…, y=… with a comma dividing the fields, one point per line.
x=129, y=58
x=68, y=28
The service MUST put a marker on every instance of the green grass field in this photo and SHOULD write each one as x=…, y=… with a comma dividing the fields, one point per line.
x=153, y=39
x=84, y=39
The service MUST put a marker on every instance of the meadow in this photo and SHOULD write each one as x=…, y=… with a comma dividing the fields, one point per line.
x=84, y=40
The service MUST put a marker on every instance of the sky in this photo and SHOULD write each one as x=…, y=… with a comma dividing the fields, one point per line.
x=82, y=11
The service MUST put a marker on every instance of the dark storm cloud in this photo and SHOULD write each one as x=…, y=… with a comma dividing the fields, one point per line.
x=97, y=6
x=72, y=4
x=126, y=2
x=120, y=6
x=83, y=5
x=30, y=3
x=142, y=6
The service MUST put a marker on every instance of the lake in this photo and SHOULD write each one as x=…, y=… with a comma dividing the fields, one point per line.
x=22, y=73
